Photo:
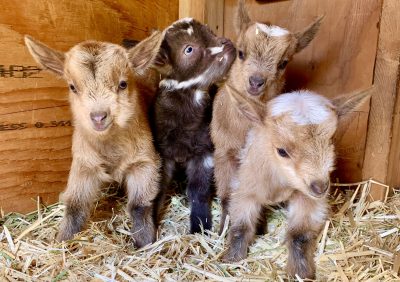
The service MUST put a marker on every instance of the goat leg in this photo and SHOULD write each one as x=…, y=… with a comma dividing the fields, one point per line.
x=244, y=212
x=82, y=191
x=142, y=188
x=199, y=173
x=305, y=221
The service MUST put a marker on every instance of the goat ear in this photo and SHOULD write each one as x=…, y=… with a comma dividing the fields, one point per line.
x=307, y=35
x=345, y=104
x=46, y=57
x=145, y=53
x=242, y=18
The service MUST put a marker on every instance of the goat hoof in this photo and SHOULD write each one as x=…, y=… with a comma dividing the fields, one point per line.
x=233, y=256
x=141, y=239
x=64, y=236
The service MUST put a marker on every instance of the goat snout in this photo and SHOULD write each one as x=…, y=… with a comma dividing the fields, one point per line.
x=319, y=187
x=227, y=44
x=256, y=84
x=99, y=120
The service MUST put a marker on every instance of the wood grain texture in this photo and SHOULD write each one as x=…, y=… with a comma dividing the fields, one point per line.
x=339, y=60
x=35, y=128
x=393, y=177
x=383, y=141
x=209, y=12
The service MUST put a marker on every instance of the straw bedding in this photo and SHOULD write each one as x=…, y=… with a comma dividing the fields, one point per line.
x=360, y=242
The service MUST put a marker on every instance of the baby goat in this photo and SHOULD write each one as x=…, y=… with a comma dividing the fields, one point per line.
x=258, y=75
x=112, y=141
x=288, y=156
x=190, y=60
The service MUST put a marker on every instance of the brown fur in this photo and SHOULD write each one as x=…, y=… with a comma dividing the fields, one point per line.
x=266, y=177
x=121, y=151
x=265, y=57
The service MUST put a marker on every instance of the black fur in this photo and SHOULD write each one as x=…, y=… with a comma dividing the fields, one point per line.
x=180, y=121
x=301, y=254
x=182, y=137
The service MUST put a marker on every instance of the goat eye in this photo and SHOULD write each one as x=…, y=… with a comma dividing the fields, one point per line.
x=72, y=88
x=283, y=64
x=241, y=55
x=188, y=50
x=282, y=153
x=122, y=85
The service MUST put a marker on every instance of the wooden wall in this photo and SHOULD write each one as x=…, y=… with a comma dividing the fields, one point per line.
x=35, y=122
x=340, y=60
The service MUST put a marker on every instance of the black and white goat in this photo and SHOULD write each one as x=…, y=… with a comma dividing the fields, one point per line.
x=191, y=59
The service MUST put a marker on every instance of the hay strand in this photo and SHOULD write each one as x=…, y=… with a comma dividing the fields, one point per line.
x=360, y=242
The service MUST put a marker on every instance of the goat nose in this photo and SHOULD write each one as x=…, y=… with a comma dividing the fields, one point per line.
x=256, y=81
x=223, y=40
x=319, y=187
x=98, y=117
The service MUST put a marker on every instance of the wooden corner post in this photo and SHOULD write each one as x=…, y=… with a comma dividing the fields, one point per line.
x=382, y=152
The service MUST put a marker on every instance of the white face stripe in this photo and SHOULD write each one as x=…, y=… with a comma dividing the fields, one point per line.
x=216, y=50
x=190, y=30
x=198, y=97
x=170, y=84
x=208, y=162
x=305, y=107
x=271, y=30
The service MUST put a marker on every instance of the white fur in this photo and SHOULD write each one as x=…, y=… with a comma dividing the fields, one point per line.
x=235, y=183
x=320, y=214
x=216, y=50
x=190, y=30
x=305, y=107
x=198, y=97
x=208, y=162
x=271, y=30
x=184, y=20
x=174, y=84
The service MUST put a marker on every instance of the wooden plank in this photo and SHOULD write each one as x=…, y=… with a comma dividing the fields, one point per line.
x=35, y=158
x=383, y=104
x=209, y=12
x=339, y=60
x=393, y=178
x=192, y=9
x=35, y=127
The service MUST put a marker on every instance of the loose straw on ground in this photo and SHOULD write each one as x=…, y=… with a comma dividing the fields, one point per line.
x=360, y=242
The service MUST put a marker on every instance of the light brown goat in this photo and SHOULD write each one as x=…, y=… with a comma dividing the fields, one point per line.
x=112, y=141
x=257, y=75
x=288, y=156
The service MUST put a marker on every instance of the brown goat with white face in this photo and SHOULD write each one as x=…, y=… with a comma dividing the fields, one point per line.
x=288, y=156
x=112, y=140
x=257, y=75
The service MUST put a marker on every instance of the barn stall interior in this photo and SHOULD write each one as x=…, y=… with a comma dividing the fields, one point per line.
x=357, y=49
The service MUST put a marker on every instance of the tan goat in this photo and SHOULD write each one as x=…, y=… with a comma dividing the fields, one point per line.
x=288, y=156
x=112, y=141
x=258, y=75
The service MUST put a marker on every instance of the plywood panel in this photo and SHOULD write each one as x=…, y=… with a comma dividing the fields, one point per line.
x=340, y=59
x=35, y=121
x=383, y=140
